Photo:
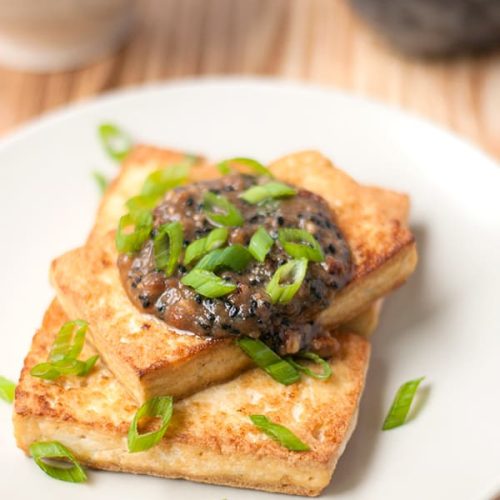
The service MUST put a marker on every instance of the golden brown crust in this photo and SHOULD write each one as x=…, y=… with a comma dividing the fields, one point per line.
x=210, y=438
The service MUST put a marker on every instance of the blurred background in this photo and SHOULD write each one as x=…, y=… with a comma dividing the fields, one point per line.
x=437, y=58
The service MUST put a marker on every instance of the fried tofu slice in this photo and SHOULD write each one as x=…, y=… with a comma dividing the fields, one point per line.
x=373, y=222
x=148, y=356
x=210, y=438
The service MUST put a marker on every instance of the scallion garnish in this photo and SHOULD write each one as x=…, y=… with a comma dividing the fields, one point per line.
x=263, y=192
x=141, y=202
x=299, y=243
x=133, y=230
x=401, y=404
x=260, y=244
x=115, y=141
x=161, y=181
x=220, y=211
x=286, y=281
x=64, y=352
x=266, y=359
x=60, y=458
x=207, y=283
x=255, y=167
x=279, y=433
x=161, y=406
x=167, y=245
x=215, y=239
x=326, y=370
x=235, y=257
x=100, y=180
x=7, y=389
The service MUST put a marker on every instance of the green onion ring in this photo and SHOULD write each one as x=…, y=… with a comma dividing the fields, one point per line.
x=326, y=372
x=260, y=244
x=55, y=450
x=207, y=283
x=283, y=293
x=299, y=243
x=63, y=348
x=63, y=353
x=167, y=245
x=196, y=249
x=266, y=359
x=160, y=181
x=401, y=404
x=220, y=211
x=235, y=257
x=131, y=242
x=285, y=437
x=7, y=389
x=263, y=192
x=226, y=167
x=115, y=141
x=161, y=406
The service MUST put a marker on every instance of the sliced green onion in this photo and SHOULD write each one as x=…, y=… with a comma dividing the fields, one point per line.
x=293, y=271
x=260, y=244
x=54, y=370
x=142, y=202
x=326, y=372
x=207, y=283
x=235, y=257
x=133, y=230
x=401, y=404
x=161, y=406
x=227, y=166
x=167, y=245
x=115, y=141
x=63, y=464
x=215, y=239
x=7, y=389
x=299, y=243
x=100, y=180
x=271, y=190
x=266, y=359
x=161, y=181
x=63, y=353
x=220, y=211
x=63, y=348
x=279, y=433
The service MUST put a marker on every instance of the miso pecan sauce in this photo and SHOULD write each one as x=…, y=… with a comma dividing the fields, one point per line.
x=248, y=310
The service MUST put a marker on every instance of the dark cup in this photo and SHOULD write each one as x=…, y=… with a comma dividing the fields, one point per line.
x=435, y=27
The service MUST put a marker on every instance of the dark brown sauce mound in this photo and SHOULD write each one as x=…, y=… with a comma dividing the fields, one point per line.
x=248, y=310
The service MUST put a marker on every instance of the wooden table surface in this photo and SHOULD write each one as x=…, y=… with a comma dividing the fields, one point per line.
x=315, y=40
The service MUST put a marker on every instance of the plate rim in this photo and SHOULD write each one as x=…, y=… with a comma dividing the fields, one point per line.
x=52, y=117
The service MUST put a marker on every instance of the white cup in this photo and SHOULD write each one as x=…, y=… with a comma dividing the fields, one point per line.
x=54, y=35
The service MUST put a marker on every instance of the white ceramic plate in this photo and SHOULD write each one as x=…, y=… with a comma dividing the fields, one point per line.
x=443, y=324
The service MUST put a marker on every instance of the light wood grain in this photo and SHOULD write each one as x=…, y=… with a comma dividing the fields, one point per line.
x=315, y=40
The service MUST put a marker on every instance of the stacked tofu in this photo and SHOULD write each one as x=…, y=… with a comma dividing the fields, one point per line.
x=214, y=384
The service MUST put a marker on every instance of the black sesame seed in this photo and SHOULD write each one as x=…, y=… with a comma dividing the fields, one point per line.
x=331, y=248
x=182, y=269
x=233, y=311
x=190, y=202
x=280, y=220
x=145, y=300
